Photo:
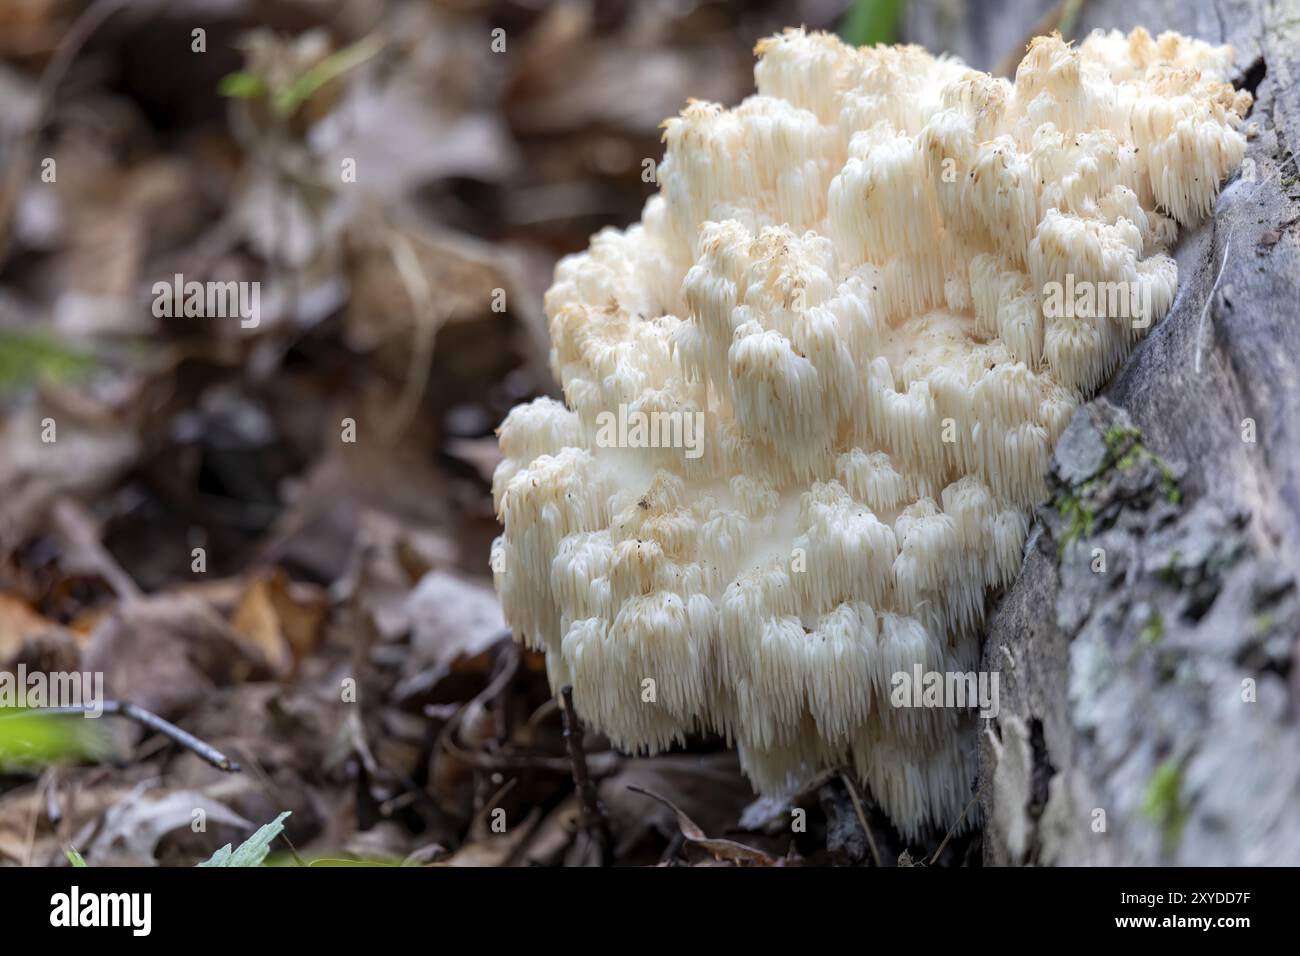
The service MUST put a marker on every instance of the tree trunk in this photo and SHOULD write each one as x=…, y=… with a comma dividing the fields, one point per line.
x=1148, y=694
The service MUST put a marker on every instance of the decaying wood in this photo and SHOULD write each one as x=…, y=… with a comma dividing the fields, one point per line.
x=1149, y=712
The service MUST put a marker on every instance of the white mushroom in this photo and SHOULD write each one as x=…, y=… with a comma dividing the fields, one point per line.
x=848, y=326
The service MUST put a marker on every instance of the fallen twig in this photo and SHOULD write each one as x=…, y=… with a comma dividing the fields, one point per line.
x=594, y=820
x=146, y=718
x=427, y=320
x=862, y=817
x=953, y=829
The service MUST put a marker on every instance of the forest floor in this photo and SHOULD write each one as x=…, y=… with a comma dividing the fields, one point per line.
x=273, y=529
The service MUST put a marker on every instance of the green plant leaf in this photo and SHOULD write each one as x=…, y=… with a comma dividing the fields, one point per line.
x=869, y=22
x=28, y=355
x=242, y=85
x=75, y=858
x=253, y=851
x=32, y=739
x=289, y=98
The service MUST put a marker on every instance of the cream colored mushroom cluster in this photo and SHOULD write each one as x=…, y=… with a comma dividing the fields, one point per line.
x=809, y=399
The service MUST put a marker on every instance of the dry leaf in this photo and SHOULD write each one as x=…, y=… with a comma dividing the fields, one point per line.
x=133, y=827
x=19, y=622
x=450, y=618
x=167, y=653
x=282, y=623
x=494, y=849
x=726, y=850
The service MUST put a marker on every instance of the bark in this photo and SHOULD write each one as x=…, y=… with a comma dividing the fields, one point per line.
x=1149, y=710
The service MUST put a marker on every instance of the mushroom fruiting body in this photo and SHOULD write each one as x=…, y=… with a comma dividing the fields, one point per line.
x=851, y=289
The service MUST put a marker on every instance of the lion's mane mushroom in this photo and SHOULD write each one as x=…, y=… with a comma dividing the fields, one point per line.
x=845, y=281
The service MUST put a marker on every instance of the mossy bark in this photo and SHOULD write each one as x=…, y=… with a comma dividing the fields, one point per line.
x=1149, y=711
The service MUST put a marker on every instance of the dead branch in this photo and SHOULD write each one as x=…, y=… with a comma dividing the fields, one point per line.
x=594, y=820
x=146, y=718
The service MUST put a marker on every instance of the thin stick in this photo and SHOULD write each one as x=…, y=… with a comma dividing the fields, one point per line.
x=426, y=319
x=862, y=817
x=594, y=820
x=953, y=829
x=35, y=817
x=146, y=718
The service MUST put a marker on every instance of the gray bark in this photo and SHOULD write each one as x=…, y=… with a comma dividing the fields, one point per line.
x=1148, y=711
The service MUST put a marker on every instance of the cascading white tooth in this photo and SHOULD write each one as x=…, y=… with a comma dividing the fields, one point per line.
x=810, y=397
